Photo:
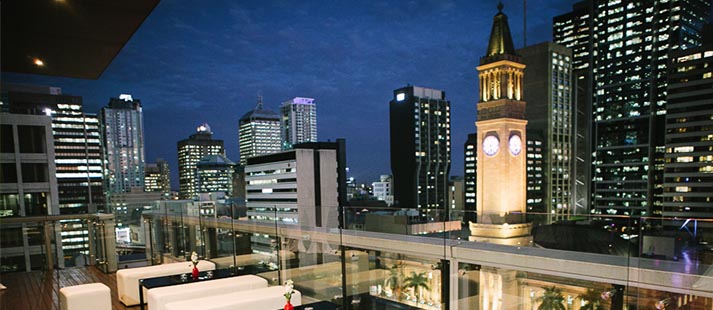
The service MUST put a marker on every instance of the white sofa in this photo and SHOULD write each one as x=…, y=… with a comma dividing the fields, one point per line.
x=160, y=296
x=127, y=280
x=93, y=296
x=262, y=298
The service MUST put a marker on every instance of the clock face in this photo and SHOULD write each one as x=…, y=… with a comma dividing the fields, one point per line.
x=491, y=144
x=515, y=144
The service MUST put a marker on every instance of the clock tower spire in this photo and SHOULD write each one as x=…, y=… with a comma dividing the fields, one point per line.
x=501, y=172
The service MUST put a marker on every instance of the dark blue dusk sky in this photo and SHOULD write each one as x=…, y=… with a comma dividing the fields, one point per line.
x=192, y=62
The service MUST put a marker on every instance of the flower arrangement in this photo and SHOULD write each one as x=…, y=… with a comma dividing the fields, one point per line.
x=289, y=288
x=194, y=259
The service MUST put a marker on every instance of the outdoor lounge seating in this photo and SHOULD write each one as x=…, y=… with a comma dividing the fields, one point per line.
x=93, y=296
x=159, y=297
x=127, y=280
x=262, y=298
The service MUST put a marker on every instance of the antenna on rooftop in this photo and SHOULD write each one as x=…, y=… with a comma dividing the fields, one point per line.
x=259, y=101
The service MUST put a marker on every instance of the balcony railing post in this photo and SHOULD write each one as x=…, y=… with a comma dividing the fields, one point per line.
x=48, y=245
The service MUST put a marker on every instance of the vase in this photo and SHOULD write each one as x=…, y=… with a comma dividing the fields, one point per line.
x=195, y=273
x=289, y=306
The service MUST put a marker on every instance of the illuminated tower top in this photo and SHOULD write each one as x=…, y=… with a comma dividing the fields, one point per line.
x=500, y=74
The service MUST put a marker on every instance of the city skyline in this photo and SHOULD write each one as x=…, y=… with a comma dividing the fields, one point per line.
x=298, y=58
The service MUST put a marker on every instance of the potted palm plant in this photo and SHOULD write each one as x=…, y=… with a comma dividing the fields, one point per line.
x=592, y=300
x=418, y=281
x=551, y=299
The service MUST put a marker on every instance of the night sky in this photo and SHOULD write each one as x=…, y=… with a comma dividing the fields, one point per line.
x=191, y=62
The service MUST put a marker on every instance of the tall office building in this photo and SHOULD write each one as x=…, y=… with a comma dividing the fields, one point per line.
x=214, y=174
x=157, y=177
x=258, y=133
x=628, y=46
x=122, y=128
x=536, y=179
x=420, y=123
x=298, y=117
x=548, y=79
x=470, y=178
x=190, y=152
x=77, y=144
x=689, y=135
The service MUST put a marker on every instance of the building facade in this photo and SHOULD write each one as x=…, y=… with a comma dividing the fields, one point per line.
x=28, y=187
x=687, y=187
x=470, y=178
x=77, y=145
x=548, y=79
x=157, y=177
x=304, y=185
x=190, y=152
x=383, y=190
x=420, y=122
x=259, y=133
x=628, y=47
x=298, y=118
x=122, y=128
x=214, y=174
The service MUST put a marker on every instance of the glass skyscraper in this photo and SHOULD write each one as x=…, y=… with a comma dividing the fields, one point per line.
x=190, y=152
x=123, y=136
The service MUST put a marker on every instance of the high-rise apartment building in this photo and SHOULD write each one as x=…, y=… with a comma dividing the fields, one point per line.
x=157, y=177
x=122, y=128
x=190, y=152
x=628, y=47
x=420, y=125
x=548, y=79
x=688, y=172
x=470, y=178
x=77, y=144
x=214, y=174
x=258, y=133
x=298, y=117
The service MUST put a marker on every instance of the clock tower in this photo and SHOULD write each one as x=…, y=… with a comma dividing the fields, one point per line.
x=501, y=171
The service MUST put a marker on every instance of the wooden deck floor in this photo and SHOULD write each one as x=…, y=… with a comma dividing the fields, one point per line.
x=40, y=289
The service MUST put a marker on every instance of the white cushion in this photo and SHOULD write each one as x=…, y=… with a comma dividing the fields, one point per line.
x=160, y=296
x=127, y=280
x=262, y=298
x=93, y=296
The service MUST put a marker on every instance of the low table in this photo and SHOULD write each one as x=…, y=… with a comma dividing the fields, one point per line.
x=320, y=305
x=150, y=283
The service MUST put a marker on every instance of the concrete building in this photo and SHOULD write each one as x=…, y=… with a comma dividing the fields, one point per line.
x=548, y=79
x=628, y=47
x=420, y=122
x=302, y=186
x=383, y=190
x=536, y=180
x=28, y=187
x=214, y=173
x=122, y=129
x=298, y=117
x=128, y=207
x=157, y=177
x=688, y=182
x=190, y=152
x=77, y=144
x=258, y=133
